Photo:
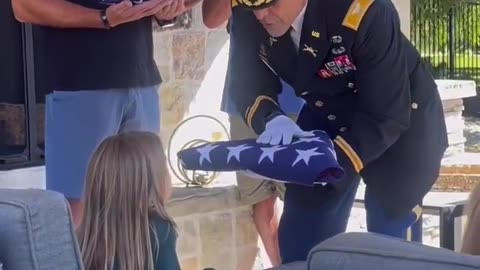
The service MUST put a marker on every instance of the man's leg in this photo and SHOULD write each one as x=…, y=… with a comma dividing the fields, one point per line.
x=76, y=122
x=262, y=195
x=312, y=215
x=143, y=111
x=396, y=226
x=265, y=217
x=379, y=221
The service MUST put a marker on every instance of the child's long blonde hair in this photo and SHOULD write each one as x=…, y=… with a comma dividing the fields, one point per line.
x=471, y=238
x=127, y=182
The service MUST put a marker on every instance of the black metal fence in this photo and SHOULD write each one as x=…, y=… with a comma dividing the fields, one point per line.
x=448, y=37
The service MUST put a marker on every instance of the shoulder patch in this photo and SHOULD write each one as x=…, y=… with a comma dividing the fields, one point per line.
x=355, y=13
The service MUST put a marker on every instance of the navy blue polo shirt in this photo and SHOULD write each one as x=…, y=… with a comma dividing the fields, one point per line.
x=95, y=59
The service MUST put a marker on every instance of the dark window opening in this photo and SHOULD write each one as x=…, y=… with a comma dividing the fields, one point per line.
x=21, y=116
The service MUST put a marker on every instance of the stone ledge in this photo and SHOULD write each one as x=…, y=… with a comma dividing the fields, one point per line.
x=456, y=89
x=466, y=163
x=456, y=182
x=460, y=173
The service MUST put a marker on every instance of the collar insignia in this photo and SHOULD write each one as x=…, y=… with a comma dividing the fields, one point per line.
x=310, y=50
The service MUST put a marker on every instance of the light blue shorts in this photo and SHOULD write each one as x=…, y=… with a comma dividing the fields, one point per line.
x=77, y=122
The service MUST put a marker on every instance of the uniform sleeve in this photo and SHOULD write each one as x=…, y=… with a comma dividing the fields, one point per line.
x=253, y=86
x=383, y=106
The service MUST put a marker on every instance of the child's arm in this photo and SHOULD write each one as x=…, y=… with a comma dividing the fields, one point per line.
x=216, y=12
x=167, y=241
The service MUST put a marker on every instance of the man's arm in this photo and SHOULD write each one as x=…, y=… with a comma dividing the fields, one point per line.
x=56, y=13
x=253, y=87
x=63, y=14
x=216, y=12
x=383, y=102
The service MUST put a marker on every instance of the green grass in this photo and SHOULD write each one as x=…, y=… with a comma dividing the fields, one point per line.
x=462, y=61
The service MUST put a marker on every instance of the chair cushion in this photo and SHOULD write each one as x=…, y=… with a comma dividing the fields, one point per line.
x=360, y=251
x=36, y=232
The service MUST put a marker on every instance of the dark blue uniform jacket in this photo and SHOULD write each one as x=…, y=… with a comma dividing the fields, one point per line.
x=364, y=84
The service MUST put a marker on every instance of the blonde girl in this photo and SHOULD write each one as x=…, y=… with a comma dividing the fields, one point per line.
x=125, y=225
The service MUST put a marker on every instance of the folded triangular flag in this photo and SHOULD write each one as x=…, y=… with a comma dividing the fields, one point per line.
x=306, y=161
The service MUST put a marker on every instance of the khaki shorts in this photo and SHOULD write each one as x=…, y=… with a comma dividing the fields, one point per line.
x=252, y=191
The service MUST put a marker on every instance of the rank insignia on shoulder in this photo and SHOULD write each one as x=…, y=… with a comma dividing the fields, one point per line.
x=315, y=34
x=355, y=13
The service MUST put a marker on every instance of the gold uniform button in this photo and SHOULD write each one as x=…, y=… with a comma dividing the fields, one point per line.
x=351, y=85
x=331, y=117
x=343, y=129
x=414, y=106
x=319, y=103
x=304, y=93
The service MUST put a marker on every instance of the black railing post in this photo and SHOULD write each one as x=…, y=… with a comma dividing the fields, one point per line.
x=451, y=43
x=447, y=229
x=31, y=139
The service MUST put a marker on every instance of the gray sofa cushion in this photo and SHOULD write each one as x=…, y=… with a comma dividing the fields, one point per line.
x=36, y=232
x=360, y=251
x=291, y=266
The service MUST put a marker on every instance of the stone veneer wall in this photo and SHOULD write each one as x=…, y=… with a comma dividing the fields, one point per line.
x=184, y=56
x=215, y=230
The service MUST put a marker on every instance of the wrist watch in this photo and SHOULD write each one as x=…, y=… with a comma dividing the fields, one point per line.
x=103, y=16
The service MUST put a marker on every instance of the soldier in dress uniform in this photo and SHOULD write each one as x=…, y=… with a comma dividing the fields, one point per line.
x=365, y=85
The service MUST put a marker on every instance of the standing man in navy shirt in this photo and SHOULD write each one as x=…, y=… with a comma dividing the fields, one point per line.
x=96, y=58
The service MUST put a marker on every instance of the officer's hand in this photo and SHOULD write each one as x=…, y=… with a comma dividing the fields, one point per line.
x=281, y=130
x=125, y=11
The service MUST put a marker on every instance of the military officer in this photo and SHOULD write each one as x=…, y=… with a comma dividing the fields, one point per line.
x=365, y=85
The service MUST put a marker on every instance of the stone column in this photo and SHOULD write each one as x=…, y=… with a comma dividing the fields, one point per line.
x=403, y=8
x=192, y=62
x=452, y=93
